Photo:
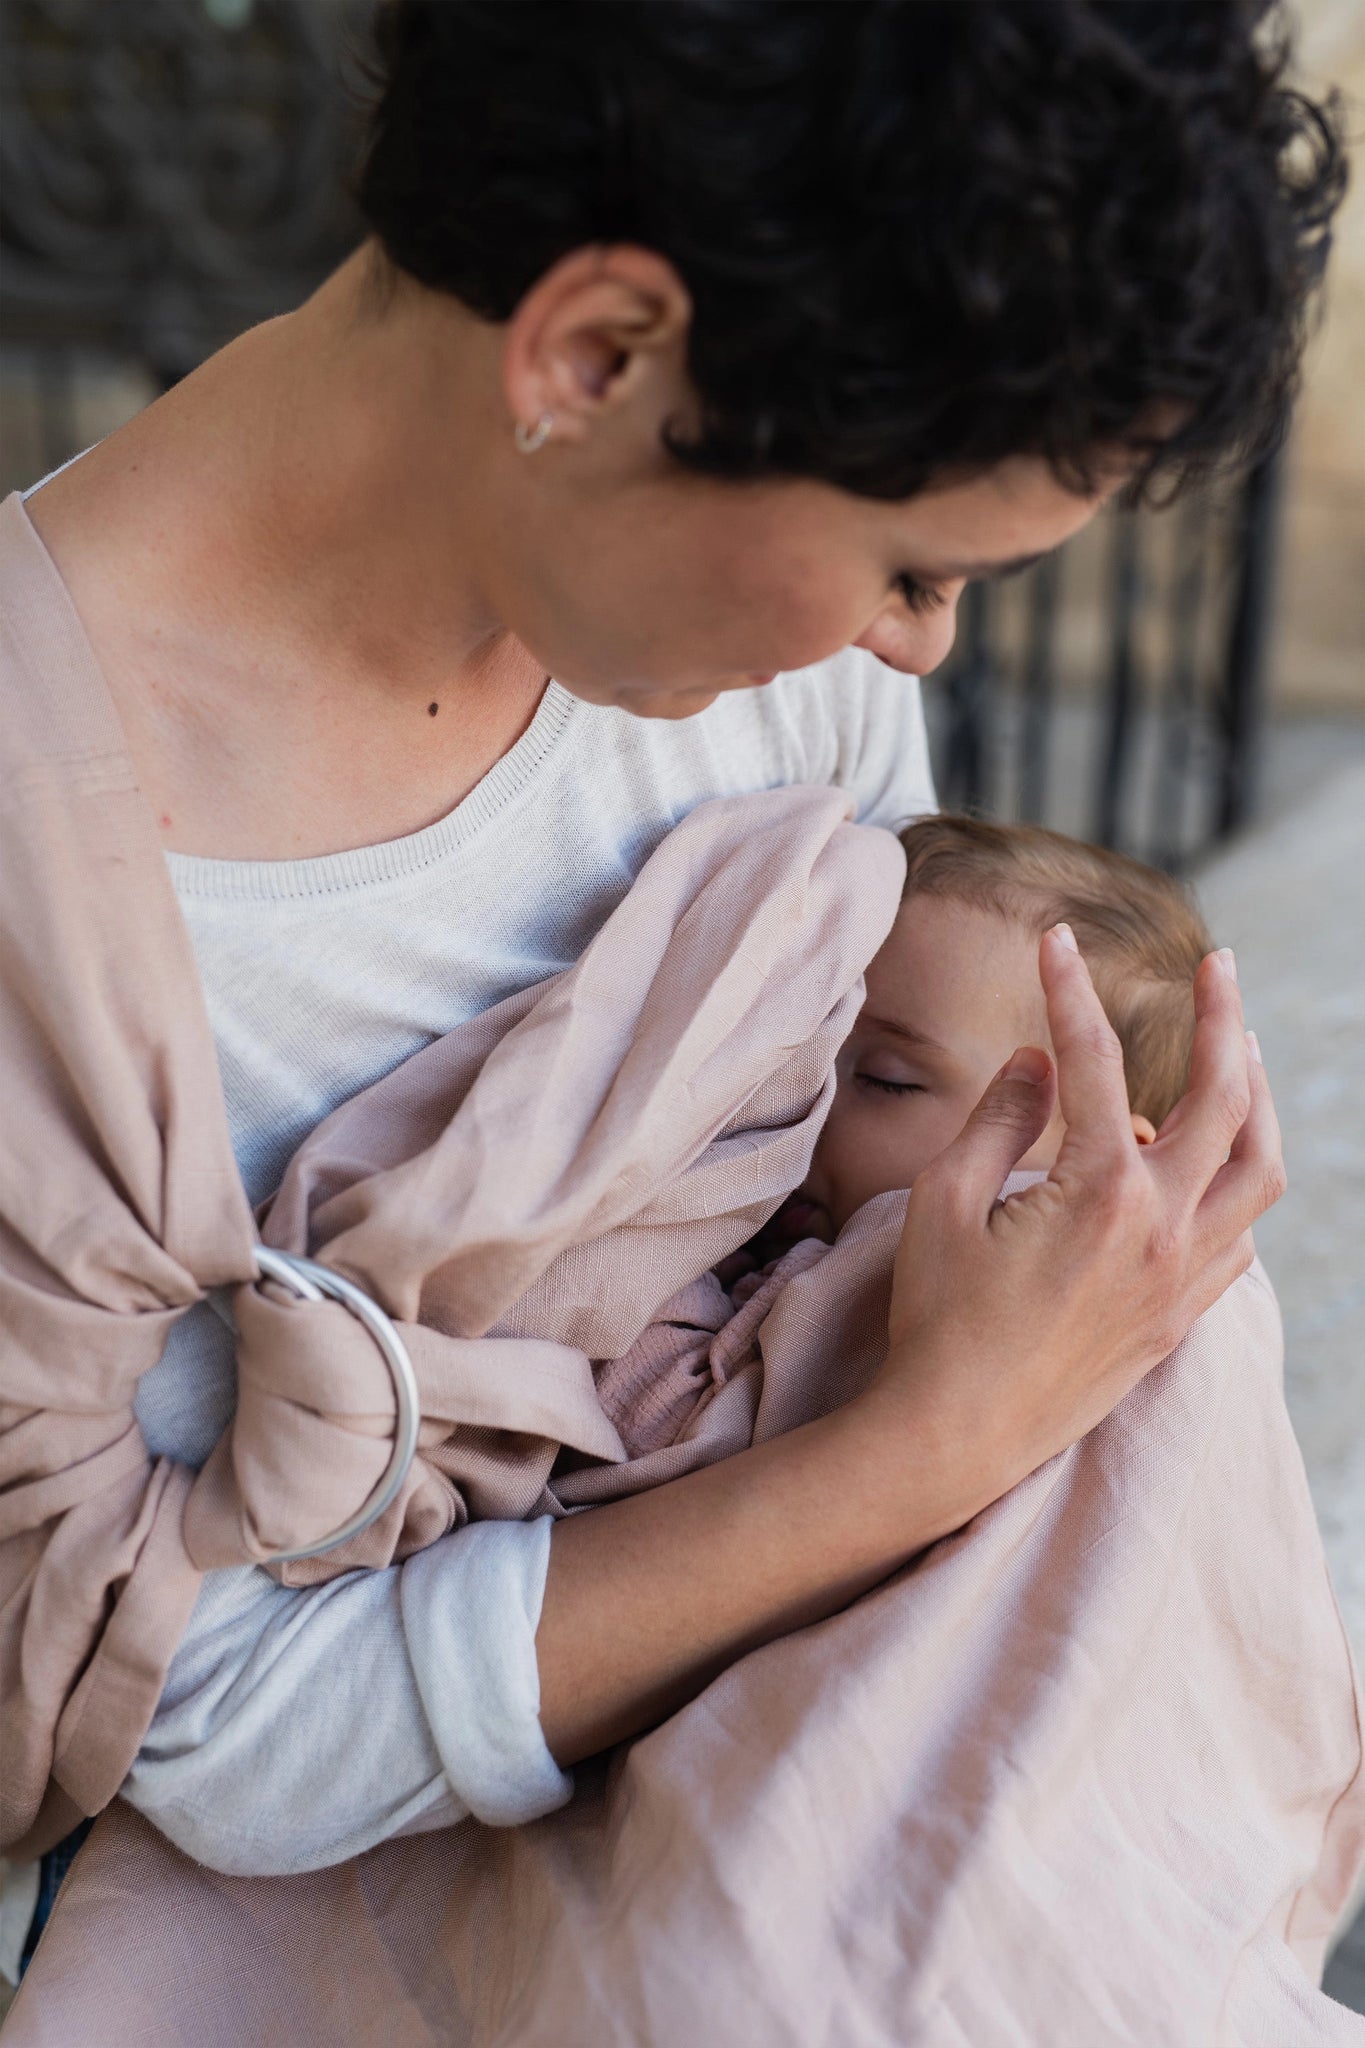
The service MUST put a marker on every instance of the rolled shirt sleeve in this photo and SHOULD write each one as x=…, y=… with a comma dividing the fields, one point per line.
x=471, y=1606
x=301, y=1726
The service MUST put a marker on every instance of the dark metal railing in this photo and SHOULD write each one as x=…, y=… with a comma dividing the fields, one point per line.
x=1150, y=741
x=172, y=171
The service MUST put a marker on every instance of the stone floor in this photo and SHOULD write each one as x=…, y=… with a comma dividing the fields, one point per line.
x=1291, y=900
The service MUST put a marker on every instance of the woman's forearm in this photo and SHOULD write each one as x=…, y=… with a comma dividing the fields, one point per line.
x=648, y=1598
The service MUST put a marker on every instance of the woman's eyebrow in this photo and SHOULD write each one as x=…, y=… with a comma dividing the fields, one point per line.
x=982, y=572
x=1013, y=568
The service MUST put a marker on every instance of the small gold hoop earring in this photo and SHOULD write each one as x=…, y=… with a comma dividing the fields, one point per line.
x=528, y=439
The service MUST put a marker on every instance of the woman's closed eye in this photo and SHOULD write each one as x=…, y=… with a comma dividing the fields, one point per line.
x=919, y=597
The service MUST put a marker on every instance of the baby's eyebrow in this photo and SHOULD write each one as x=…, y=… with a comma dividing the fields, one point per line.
x=905, y=1031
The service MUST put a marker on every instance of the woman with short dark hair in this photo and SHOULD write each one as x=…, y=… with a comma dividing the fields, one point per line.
x=700, y=354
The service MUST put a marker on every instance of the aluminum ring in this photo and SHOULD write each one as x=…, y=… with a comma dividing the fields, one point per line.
x=306, y=1280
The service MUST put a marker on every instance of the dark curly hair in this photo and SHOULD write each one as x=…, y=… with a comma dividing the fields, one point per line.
x=919, y=235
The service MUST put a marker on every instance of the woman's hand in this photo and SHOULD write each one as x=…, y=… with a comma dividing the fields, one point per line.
x=1016, y=1327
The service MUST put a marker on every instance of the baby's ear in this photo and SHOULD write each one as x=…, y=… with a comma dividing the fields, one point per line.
x=1144, y=1130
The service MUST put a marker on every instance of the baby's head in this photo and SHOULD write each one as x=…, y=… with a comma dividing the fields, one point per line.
x=955, y=989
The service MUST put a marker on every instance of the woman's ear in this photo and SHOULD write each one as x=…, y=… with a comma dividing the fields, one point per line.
x=1144, y=1130
x=586, y=332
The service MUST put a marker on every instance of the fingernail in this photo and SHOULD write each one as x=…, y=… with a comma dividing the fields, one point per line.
x=1227, y=960
x=1254, y=1048
x=1029, y=1064
x=1066, y=937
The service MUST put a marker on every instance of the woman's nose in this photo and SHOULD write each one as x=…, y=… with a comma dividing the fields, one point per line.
x=914, y=645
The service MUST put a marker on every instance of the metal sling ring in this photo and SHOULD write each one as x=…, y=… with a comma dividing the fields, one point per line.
x=308, y=1281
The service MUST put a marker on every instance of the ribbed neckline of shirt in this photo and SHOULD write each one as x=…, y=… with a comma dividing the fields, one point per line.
x=364, y=866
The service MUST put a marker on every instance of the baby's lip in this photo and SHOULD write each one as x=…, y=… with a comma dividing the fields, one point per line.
x=798, y=1214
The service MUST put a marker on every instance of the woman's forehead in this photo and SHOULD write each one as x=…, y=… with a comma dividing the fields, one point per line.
x=994, y=523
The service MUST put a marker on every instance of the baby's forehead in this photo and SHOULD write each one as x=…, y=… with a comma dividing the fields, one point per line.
x=954, y=963
x=946, y=929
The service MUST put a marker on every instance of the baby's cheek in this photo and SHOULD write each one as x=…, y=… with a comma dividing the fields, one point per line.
x=842, y=1156
x=940, y=1120
x=865, y=1148
x=833, y=1141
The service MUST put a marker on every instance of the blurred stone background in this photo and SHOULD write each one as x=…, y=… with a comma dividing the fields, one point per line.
x=171, y=170
x=1319, y=663
x=1291, y=895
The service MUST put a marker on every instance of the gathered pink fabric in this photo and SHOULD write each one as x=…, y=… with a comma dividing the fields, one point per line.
x=657, y=1392
x=1089, y=1772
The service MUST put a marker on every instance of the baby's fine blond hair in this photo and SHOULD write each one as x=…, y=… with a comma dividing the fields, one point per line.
x=1138, y=930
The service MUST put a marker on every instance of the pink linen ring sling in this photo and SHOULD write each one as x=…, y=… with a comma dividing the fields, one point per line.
x=306, y=1280
x=666, y=1092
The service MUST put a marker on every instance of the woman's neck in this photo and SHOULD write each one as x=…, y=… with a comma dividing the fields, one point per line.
x=279, y=567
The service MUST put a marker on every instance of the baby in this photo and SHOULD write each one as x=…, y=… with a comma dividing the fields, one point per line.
x=955, y=989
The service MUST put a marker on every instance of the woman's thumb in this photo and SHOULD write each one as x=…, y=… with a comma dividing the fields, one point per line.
x=1010, y=1117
